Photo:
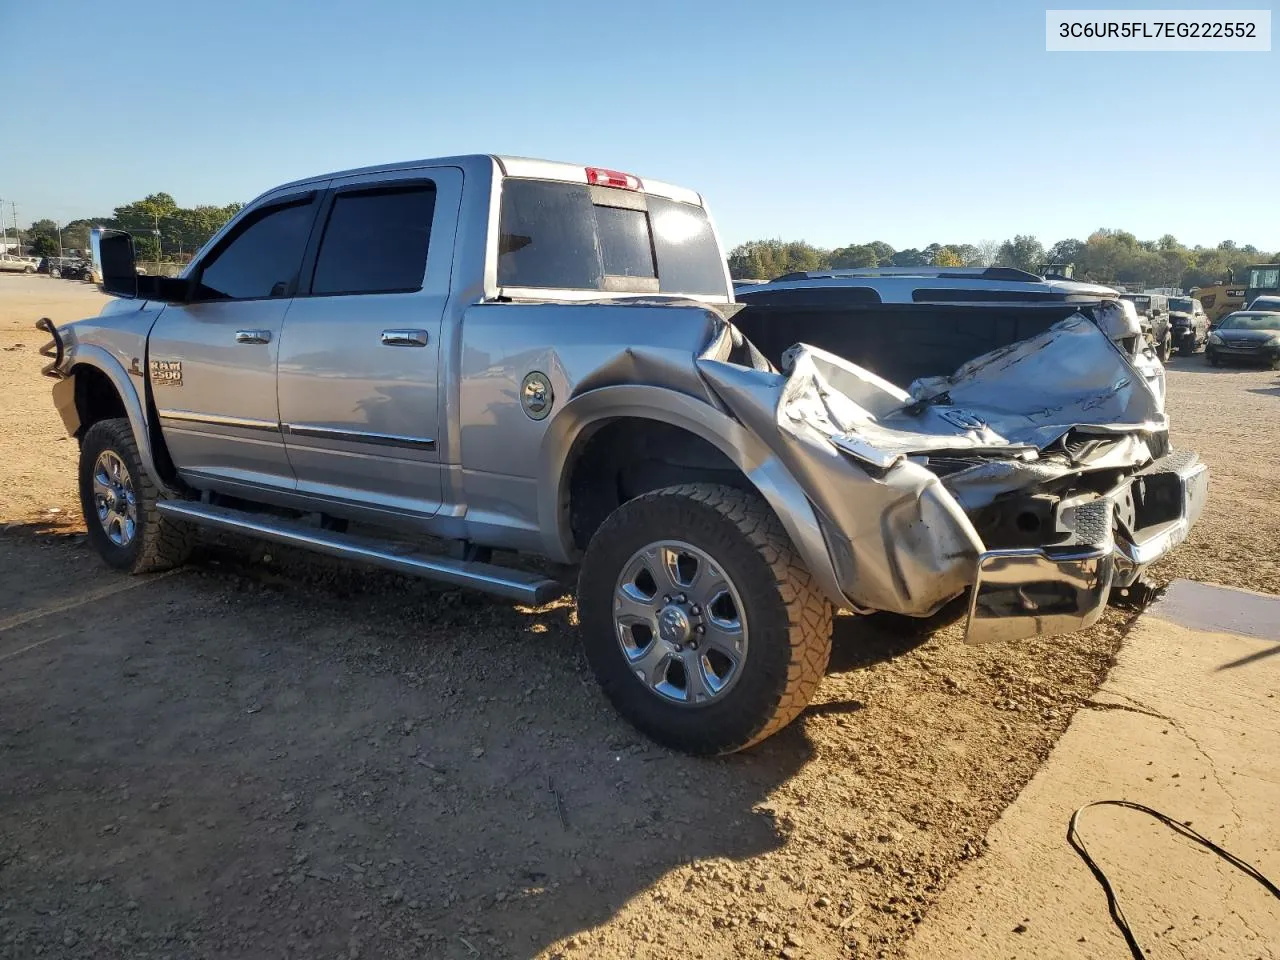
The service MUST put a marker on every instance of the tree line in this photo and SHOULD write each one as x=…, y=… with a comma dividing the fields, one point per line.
x=162, y=230
x=1107, y=256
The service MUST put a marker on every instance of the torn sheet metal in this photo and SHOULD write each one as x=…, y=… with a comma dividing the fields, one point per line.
x=899, y=540
x=1070, y=377
x=861, y=445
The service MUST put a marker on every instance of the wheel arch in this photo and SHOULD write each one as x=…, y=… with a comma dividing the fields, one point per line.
x=98, y=388
x=741, y=458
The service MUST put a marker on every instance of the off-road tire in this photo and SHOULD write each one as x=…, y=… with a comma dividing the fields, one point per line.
x=1187, y=349
x=159, y=542
x=788, y=618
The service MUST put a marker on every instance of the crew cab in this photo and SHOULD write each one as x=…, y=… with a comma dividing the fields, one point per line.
x=443, y=365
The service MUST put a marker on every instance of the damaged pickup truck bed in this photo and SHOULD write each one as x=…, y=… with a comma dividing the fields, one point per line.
x=1037, y=478
x=537, y=358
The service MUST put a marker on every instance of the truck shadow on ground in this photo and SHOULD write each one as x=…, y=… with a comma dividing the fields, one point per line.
x=302, y=758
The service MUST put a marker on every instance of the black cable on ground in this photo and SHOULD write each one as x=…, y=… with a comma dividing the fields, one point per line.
x=1073, y=838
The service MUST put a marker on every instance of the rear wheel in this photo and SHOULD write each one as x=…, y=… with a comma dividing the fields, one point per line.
x=29, y=269
x=119, y=504
x=700, y=621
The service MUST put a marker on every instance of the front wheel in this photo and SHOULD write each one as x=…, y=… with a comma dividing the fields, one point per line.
x=29, y=269
x=700, y=621
x=119, y=504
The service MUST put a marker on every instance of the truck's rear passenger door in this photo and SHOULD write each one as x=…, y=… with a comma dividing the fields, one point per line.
x=358, y=376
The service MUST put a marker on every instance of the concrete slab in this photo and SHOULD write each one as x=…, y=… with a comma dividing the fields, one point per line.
x=1188, y=723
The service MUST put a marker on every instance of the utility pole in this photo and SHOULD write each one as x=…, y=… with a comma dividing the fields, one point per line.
x=58, y=225
x=4, y=234
x=17, y=234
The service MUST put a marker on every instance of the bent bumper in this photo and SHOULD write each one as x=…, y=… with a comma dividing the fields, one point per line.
x=1053, y=590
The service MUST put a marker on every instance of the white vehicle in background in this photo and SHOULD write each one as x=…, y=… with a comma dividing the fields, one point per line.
x=12, y=263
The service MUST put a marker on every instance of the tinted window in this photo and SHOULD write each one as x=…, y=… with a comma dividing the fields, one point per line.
x=1252, y=321
x=376, y=241
x=900, y=342
x=625, y=246
x=262, y=257
x=689, y=258
x=553, y=235
x=547, y=236
x=1264, y=277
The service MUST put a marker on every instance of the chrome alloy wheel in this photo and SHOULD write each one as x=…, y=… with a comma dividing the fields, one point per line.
x=680, y=622
x=114, y=498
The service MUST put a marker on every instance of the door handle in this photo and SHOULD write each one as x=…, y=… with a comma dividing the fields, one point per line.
x=253, y=336
x=404, y=338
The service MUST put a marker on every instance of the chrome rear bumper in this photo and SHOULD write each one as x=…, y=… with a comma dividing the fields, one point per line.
x=1052, y=590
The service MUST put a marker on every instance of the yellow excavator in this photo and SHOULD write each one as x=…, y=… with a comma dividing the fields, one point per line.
x=1219, y=299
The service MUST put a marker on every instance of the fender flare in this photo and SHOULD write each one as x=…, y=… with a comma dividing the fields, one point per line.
x=762, y=468
x=91, y=355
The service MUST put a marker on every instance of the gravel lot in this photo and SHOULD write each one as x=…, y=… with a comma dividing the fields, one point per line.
x=263, y=754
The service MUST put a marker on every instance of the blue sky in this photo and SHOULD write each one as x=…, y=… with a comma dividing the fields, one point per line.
x=833, y=122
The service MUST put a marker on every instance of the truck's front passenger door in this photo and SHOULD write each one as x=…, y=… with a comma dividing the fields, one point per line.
x=213, y=359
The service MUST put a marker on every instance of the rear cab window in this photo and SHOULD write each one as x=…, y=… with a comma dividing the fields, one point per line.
x=577, y=236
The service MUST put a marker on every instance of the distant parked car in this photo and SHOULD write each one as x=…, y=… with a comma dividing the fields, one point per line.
x=1188, y=325
x=73, y=268
x=906, y=323
x=14, y=264
x=1153, y=312
x=1267, y=304
x=1249, y=335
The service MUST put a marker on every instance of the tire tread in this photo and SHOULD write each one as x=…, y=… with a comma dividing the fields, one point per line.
x=808, y=613
x=164, y=543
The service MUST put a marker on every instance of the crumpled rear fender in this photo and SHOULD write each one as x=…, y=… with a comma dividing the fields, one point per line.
x=898, y=539
x=767, y=473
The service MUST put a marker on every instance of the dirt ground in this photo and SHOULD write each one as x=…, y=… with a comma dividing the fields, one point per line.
x=265, y=754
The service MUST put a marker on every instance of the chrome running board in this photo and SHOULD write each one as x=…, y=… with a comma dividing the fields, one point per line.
x=404, y=558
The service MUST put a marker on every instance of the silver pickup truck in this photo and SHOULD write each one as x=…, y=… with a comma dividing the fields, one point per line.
x=420, y=364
